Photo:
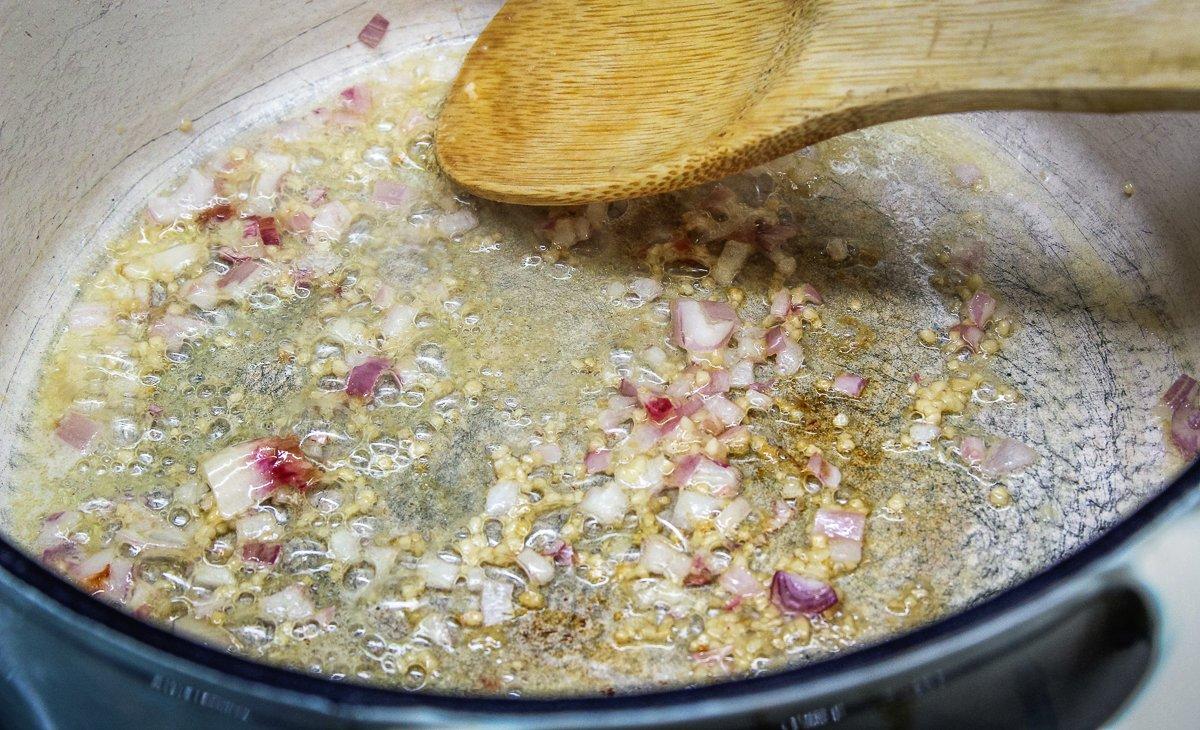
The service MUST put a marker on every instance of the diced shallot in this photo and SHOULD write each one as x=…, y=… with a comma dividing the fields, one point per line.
x=796, y=594
x=194, y=194
x=781, y=305
x=597, y=462
x=691, y=507
x=661, y=558
x=88, y=316
x=355, y=100
x=175, y=329
x=979, y=309
x=271, y=169
x=730, y=262
x=790, y=357
x=261, y=553
x=363, y=377
x=77, y=431
x=1007, y=456
x=242, y=475
x=495, y=601
x=290, y=604
x=331, y=221
x=739, y=581
x=826, y=473
x=438, y=573
x=647, y=289
x=840, y=523
x=850, y=384
x=389, y=193
x=1184, y=426
x=539, y=568
x=606, y=503
x=741, y=374
x=702, y=326
x=972, y=449
x=549, y=453
x=457, y=223
x=733, y=515
x=807, y=294
x=372, y=33
x=701, y=472
x=726, y=411
x=502, y=498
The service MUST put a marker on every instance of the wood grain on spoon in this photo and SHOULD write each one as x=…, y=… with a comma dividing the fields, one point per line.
x=571, y=101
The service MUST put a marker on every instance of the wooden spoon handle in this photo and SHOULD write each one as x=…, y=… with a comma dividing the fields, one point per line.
x=917, y=57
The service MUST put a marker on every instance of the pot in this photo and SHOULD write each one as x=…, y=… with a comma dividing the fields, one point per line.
x=88, y=112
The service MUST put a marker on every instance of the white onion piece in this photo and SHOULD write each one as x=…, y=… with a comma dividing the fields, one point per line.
x=495, y=601
x=502, y=498
x=702, y=326
x=435, y=629
x=383, y=558
x=661, y=558
x=740, y=582
x=691, y=507
x=475, y=578
x=438, y=573
x=606, y=504
x=730, y=262
x=538, y=567
x=290, y=604
x=457, y=223
x=759, y=401
x=733, y=515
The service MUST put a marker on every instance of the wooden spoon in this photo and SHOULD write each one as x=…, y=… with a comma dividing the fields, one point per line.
x=572, y=101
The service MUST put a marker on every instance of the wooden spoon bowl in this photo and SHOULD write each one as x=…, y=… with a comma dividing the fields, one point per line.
x=573, y=101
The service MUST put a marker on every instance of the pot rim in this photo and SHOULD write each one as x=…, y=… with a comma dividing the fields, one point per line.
x=702, y=701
